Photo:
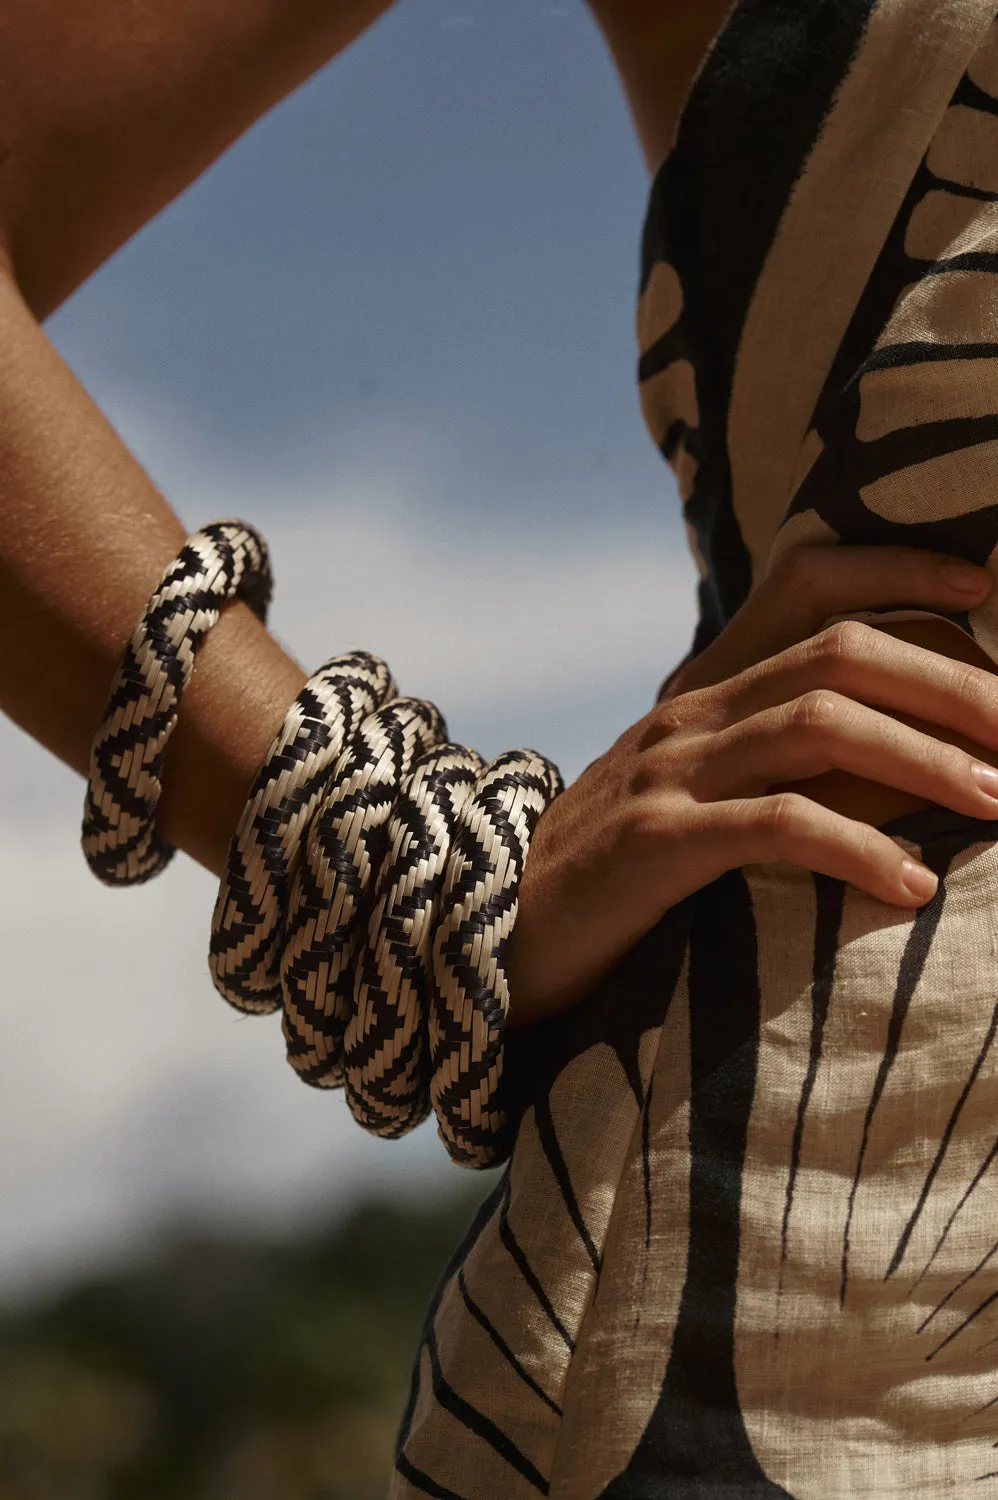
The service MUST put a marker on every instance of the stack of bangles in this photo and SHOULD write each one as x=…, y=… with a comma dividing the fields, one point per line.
x=371, y=884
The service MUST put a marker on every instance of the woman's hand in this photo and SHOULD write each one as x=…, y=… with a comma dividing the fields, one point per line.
x=686, y=793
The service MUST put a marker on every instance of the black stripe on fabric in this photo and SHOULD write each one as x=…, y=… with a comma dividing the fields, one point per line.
x=488, y=1327
x=660, y=355
x=915, y=352
x=907, y=446
x=974, y=97
x=762, y=96
x=830, y=900
x=482, y=1426
x=916, y=951
x=530, y=1275
x=958, y=1288
x=846, y=465
x=646, y=1159
x=556, y=1161
x=633, y=999
x=972, y=536
x=677, y=431
x=971, y=1187
x=963, y=189
x=423, y=1482
x=966, y=260
x=947, y=1134
x=980, y=1410
x=695, y=1445
x=486, y=1211
x=968, y=1320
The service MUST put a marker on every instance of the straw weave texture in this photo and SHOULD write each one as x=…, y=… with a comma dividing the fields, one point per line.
x=371, y=884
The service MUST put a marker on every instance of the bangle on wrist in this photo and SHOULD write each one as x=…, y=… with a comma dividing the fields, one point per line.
x=371, y=883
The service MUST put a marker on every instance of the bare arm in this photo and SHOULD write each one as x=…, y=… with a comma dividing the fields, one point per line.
x=657, y=46
x=97, y=136
x=85, y=537
x=108, y=111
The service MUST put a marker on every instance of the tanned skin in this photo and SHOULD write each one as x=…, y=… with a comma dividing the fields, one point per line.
x=107, y=111
x=657, y=46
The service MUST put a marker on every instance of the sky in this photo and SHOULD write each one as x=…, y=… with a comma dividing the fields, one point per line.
x=393, y=328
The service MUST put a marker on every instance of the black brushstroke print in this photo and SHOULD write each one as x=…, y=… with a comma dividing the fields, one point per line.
x=944, y=1141
x=696, y=1442
x=913, y=960
x=762, y=96
x=830, y=899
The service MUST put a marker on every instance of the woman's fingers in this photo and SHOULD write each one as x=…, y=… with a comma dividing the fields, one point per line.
x=824, y=731
x=817, y=582
x=686, y=794
x=790, y=827
x=869, y=665
x=811, y=584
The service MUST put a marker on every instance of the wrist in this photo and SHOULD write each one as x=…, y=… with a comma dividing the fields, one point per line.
x=240, y=691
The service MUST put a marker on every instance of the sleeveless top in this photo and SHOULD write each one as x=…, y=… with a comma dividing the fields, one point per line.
x=818, y=320
x=746, y=1247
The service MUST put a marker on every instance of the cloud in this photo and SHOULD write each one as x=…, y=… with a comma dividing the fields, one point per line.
x=131, y=1096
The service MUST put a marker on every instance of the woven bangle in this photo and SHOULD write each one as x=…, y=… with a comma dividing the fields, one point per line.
x=249, y=923
x=370, y=886
x=224, y=561
x=382, y=931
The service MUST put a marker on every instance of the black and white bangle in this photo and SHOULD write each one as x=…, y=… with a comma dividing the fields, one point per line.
x=224, y=561
x=371, y=884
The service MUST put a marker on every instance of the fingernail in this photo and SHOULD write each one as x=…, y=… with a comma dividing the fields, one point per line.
x=964, y=578
x=918, y=880
x=986, y=778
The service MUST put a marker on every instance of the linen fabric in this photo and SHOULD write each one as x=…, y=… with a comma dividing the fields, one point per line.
x=747, y=1242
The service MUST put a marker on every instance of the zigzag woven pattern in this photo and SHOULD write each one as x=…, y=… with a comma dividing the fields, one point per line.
x=371, y=885
x=224, y=561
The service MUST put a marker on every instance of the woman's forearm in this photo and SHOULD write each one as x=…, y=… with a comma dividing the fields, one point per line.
x=108, y=110
x=84, y=539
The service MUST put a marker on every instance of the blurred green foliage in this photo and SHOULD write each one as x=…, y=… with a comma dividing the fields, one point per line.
x=227, y=1370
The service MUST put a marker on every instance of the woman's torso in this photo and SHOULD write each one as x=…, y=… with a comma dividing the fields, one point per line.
x=746, y=1243
x=715, y=215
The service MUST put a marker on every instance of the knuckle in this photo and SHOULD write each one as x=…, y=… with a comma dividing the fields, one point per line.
x=867, y=844
x=665, y=721
x=645, y=779
x=960, y=766
x=643, y=827
x=846, y=641
x=976, y=688
x=948, y=764
x=966, y=681
x=805, y=567
x=670, y=716
x=818, y=711
x=780, y=818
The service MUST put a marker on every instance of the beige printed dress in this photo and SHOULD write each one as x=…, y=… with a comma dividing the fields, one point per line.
x=747, y=1242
